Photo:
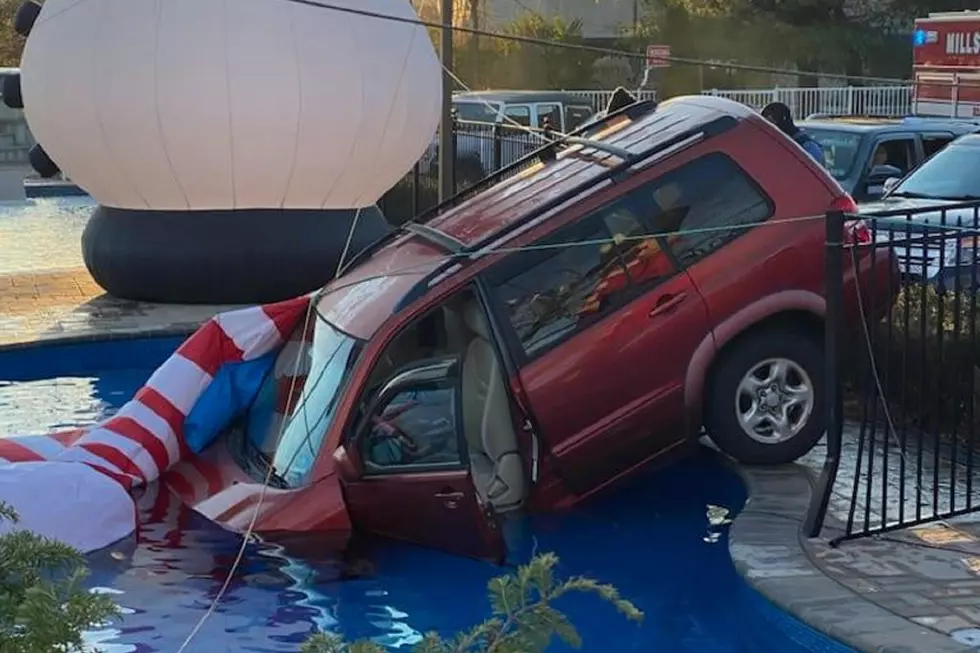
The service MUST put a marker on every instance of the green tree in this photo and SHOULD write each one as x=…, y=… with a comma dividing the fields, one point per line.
x=11, y=45
x=44, y=606
x=524, y=618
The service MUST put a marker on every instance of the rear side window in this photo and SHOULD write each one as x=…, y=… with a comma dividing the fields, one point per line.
x=577, y=275
x=932, y=143
x=704, y=205
x=575, y=116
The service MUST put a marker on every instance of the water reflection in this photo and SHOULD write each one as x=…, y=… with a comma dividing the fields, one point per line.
x=660, y=540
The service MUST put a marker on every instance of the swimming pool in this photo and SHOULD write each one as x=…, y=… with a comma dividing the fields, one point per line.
x=662, y=540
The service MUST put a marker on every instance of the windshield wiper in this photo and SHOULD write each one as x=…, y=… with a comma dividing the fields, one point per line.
x=914, y=196
x=258, y=458
x=962, y=198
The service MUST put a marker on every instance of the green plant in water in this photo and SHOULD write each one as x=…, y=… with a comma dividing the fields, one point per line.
x=44, y=607
x=523, y=621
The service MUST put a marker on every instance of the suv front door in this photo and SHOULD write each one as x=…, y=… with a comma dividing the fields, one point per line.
x=603, y=325
x=901, y=155
x=405, y=467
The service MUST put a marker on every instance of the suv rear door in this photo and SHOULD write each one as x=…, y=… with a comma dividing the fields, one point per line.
x=932, y=142
x=602, y=324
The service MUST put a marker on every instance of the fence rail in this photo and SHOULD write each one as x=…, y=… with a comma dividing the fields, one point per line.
x=843, y=101
x=912, y=376
x=480, y=149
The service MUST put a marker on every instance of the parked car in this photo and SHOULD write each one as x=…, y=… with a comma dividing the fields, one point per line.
x=943, y=191
x=851, y=145
x=488, y=134
x=530, y=344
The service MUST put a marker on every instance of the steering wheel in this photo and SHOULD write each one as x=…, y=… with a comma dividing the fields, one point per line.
x=385, y=424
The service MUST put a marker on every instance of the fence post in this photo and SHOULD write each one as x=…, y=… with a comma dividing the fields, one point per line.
x=497, y=149
x=833, y=327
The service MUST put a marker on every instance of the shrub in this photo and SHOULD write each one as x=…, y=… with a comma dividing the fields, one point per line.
x=524, y=619
x=43, y=605
x=927, y=359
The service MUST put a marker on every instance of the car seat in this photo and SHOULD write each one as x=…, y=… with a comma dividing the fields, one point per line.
x=495, y=461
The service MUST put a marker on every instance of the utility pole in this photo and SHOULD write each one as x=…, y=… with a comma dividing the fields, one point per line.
x=447, y=158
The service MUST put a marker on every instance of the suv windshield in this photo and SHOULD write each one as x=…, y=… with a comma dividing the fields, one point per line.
x=476, y=111
x=839, y=148
x=308, y=381
x=949, y=175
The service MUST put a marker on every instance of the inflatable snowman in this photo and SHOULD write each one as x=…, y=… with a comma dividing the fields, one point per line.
x=231, y=146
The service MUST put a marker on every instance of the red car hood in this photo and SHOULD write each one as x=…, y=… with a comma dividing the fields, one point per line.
x=215, y=485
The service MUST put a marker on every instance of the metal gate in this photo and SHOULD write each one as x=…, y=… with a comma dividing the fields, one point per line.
x=903, y=370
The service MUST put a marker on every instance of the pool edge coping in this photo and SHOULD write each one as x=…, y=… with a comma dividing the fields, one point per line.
x=91, y=337
x=766, y=544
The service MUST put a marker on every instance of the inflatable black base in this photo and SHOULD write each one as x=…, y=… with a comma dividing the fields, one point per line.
x=221, y=257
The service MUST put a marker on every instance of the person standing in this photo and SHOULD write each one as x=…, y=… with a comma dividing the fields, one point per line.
x=779, y=114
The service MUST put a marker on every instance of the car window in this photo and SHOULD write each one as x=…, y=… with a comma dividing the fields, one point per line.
x=476, y=111
x=575, y=116
x=705, y=204
x=897, y=152
x=521, y=114
x=840, y=149
x=932, y=143
x=415, y=428
x=550, y=113
x=951, y=174
x=577, y=275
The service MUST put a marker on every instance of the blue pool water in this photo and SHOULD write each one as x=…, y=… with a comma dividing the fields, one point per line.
x=661, y=540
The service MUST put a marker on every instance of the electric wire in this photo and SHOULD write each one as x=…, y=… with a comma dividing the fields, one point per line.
x=595, y=49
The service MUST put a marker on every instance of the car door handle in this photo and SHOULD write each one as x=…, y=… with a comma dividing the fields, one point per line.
x=449, y=495
x=667, y=303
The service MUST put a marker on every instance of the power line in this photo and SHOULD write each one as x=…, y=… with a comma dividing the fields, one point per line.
x=595, y=49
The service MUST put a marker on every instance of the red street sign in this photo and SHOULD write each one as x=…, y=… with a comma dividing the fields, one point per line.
x=658, y=56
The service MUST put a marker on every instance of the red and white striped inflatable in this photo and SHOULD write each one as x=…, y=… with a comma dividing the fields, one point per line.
x=145, y=438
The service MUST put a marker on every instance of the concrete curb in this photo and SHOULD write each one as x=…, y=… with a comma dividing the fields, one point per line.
x=103, y=336
x=768, y=550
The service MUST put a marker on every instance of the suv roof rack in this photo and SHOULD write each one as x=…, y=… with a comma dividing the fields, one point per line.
x=565, y=140
x=436, y=237
x=844, y=116
x=713, y=128
x=634, y=110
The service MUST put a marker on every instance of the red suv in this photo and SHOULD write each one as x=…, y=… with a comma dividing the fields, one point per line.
x=659, y=273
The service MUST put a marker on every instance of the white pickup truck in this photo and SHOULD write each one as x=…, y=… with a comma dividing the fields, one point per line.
x=488, y=134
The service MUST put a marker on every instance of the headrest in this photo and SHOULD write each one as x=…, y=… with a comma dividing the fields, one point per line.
x=475, y=320
x=667, y=196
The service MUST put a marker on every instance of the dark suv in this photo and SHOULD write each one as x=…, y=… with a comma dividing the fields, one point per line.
x=862, y=153
x=541, y=337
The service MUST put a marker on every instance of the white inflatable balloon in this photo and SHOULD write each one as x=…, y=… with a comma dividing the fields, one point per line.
x=211, y=104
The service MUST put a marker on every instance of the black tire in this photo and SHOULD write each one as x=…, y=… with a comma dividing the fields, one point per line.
x=721, y=417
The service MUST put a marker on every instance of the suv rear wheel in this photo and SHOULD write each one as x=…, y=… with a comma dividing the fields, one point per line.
x=765, y=400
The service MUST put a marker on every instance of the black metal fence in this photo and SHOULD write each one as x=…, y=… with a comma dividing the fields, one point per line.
x=480, y=150
x=903, y=370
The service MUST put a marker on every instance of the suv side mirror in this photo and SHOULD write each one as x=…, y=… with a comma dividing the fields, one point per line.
x=890, y=183
x=874, y=186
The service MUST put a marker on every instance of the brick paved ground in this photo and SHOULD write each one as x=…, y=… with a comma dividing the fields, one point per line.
x=46, y=293
x=912, y=591
x=916, y=590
